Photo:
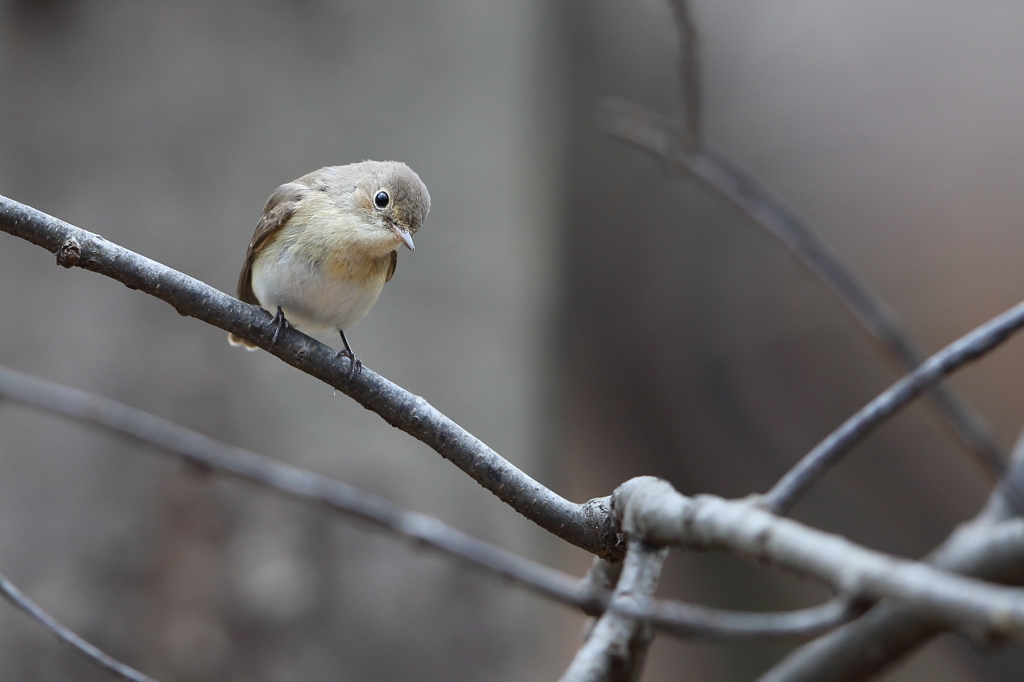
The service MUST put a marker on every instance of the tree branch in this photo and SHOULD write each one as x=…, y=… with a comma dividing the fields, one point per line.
x=887, y=632
x=306, y=486
x=689, y=72
x=616, y=647
x=580, y=525
x=703, y=622
x=713, y=169
x=652, y=509
x=16, y=597
x=826, y=454
x=591, y=596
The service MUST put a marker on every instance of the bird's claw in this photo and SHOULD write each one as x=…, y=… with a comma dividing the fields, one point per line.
x=355, y=365
x=280, y=324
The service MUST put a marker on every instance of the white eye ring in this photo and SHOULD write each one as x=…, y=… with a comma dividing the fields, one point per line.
x=381, y=200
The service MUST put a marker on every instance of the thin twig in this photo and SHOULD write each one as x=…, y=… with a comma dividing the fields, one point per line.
x=826, y=454
x=652, y=509
x=616, y=647
x=713, y=169
x=578, y=524
x=80, y=646
x=702, y=622
x=689, y=72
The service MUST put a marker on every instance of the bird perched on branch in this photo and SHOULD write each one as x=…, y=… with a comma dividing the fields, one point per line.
x=326, y=244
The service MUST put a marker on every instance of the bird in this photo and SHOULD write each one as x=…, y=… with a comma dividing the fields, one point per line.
x=327, y=243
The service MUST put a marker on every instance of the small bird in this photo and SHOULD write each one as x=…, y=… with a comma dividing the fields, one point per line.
x=326, y=244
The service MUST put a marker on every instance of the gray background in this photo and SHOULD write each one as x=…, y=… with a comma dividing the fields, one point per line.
x=587, y=315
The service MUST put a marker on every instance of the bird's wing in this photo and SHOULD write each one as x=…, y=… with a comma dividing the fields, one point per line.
x=392, y=265
x=279, y=209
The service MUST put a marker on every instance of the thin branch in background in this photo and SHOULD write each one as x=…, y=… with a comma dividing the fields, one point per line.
x=689, y=72
x=616, y=647
x=16, y=597
x=826, y=454
x=650, y=508
x=292, y=481
x=702, y=622
x=590, y=595
x=692, y=621
x=577, y=524
x=887, y=632
x=715, y=170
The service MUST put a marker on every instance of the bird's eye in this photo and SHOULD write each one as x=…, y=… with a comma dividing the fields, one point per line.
x=382, y=199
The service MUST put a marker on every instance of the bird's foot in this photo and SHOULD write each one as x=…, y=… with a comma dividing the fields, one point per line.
x=355, y=365
x=280, y=324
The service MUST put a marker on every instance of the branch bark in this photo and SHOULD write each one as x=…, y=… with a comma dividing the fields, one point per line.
x=617, y=645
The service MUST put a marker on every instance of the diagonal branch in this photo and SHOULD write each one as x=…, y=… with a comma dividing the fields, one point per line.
x=579, y=524
x=616, y=647
x=16, y=597
x=826, y=454
x=713, y=169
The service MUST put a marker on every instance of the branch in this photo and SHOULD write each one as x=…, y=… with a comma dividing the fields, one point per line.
x=887, y=632
x=689, y=71
x=713, y=169
x=592, y=596
x=826, y=454
x=16, y=597
x=305, y=486
x=703, y=622
x=890, y=631
x=653, y=510
x=575, y=523
x=617, y=645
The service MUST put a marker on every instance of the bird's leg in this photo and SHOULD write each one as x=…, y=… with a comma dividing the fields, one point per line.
x=355, y=365
x=280, y=324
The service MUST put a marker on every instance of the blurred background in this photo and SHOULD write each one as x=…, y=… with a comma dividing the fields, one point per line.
x=586, y=313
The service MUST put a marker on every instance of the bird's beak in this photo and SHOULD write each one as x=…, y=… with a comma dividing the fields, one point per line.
x=403, y=235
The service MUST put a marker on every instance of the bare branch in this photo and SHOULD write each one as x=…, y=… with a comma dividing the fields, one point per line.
x=652, y=509
x=591, y=596
x=713, y=169
x=574, y=523
x=306, y=486
x=689, y=72
x=617, y=646
x=826, y=454
x=887, y=632
x=16, y=597
x=703, y=622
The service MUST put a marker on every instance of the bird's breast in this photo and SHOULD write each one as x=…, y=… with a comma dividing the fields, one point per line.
x=319, y=288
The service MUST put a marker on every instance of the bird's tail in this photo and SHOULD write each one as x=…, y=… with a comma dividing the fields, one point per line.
x=239, y=341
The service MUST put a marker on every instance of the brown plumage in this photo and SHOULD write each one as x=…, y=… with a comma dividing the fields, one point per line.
x=327, y=242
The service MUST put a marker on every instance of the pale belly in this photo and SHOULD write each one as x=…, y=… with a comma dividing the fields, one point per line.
x=311, y=301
